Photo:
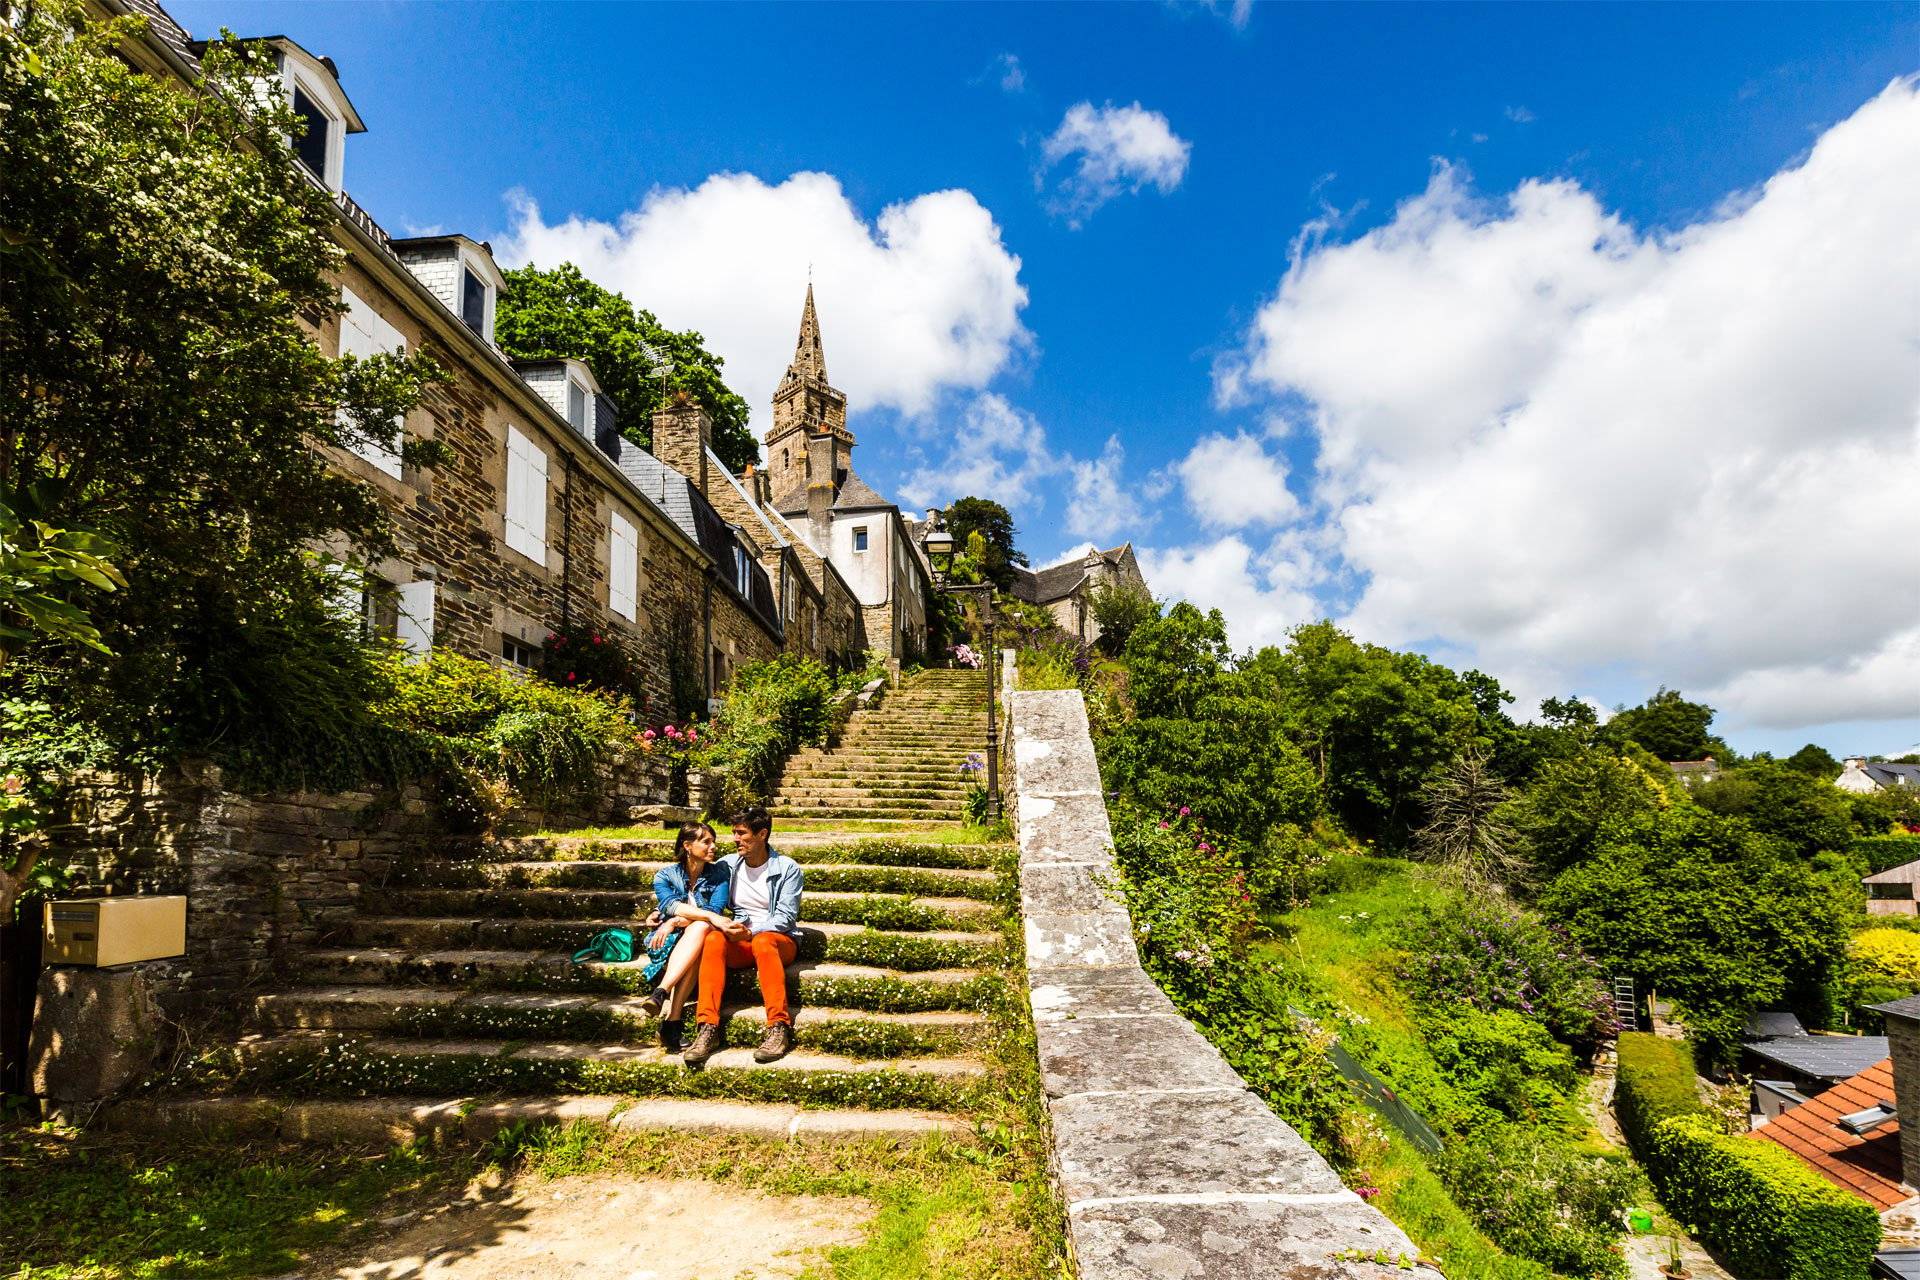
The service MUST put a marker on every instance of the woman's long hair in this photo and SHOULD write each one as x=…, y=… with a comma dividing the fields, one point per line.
x=689, y=831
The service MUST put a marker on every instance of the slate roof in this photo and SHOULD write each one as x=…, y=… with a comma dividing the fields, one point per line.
x=1056, y=581
x=1896, y=1264
x=1822, y=1057
x=855, y=495
x=163, y=28
x=1893, y=775
x=1868, y=1166
x=1770, y=1024
x=1907, y=1007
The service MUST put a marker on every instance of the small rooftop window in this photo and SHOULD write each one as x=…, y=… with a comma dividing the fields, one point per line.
x=1861, y=1122
x=473, y=301
x=311, y=146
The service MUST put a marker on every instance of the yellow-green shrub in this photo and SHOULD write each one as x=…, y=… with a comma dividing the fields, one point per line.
x=1891, y=955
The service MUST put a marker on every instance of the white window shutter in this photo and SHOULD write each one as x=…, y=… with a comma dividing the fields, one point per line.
x=364, y=333
x=622, y=568
x=526, y=496
x=415, y=631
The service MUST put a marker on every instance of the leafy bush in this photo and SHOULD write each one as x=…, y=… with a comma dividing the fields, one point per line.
x=1656, y=1083
x=772, y=709
x=576, y=656
x=1501, y=1062
x=1883, y=853
x=1887, y=955
x=1760, y=1209
x=487, y=727
x=1494, y=957
x=1538, y=1198
x=1049, y=668
x=1120, y=608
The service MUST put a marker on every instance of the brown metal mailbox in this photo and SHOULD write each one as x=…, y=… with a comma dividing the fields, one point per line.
x=99, y=932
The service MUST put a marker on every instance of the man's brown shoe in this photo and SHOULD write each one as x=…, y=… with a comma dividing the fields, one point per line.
x=704, y=1046
x=777, y=1044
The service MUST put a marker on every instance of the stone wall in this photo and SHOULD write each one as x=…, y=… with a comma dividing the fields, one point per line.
x=1169, y=1165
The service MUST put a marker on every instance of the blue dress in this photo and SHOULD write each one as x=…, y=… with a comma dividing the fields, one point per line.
x=709, y=893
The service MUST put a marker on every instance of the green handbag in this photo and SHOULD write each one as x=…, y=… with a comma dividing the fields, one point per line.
x=610, y=946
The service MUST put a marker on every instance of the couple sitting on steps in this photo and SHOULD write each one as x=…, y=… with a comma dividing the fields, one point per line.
x=693, y=939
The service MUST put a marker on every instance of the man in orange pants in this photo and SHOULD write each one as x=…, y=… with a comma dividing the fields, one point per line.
x=765, y=933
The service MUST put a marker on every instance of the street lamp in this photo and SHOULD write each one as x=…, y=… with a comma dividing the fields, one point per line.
x=937, y=543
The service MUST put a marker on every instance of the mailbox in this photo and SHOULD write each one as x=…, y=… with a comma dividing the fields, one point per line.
x=99, y=932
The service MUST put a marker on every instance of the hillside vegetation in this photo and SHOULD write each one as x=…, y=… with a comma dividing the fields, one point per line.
x=1397, y=910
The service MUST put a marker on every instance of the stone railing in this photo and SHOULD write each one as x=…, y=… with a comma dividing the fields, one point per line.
x=1168, y=1165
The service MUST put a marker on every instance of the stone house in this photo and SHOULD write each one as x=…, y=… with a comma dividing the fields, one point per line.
x=811, y=486
x=1693, y=773
x=1065, y=590
x=543, y=516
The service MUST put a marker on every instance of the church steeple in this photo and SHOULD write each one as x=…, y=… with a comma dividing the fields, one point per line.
x=809, y=356
x=807, y=408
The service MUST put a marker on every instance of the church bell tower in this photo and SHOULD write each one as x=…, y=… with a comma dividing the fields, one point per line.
x=806, y=409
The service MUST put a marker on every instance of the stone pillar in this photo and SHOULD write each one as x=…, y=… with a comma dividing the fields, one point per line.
x=682, y=433
x=95, y=1031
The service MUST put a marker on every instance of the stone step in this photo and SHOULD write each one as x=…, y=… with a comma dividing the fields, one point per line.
x=432, y=1012
x=857, y=809
x=474, y=1119
x=953, y=882
x=846, y=943
x=325, y=1064
x=803, y=790
x=809, y=982
x=836, y=771
x=880, y=910
x=805, y=848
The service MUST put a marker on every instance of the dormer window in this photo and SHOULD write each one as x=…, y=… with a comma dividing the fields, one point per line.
x=577, y=406
x=473, y=301
x=314, y=147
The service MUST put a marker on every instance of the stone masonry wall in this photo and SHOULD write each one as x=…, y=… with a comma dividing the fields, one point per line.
x=1169, y=1165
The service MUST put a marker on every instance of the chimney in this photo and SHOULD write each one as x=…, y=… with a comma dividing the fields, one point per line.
x=820, y=491
x=1903, y=1043
x=682, y=433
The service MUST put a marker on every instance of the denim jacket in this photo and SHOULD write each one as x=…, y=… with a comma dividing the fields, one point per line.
x=710, y=891
x=784, y=879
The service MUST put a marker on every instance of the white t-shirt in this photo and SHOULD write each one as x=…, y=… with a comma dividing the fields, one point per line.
x=750, y=899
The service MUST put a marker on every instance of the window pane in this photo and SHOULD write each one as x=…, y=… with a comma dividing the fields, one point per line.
x=311, y=147
x=473, y=302
x=577, y=406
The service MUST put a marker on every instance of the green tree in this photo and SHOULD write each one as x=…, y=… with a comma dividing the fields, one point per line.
x=1667, y=725
x=1376, y=723
x=1703, y=909
x=545, y=315
x=1205, y=737
x=1807, y=813
x=1560, y=814
x=1120, y=608
x=994, y=523
x=162, y=258
x=1816, y=760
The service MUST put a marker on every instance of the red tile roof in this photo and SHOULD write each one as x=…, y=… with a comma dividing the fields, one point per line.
x=1867, y=1166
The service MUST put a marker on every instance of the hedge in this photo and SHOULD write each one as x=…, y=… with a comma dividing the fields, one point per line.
x=1762, y=1211
x=1883, y=853
x=1656, y=1083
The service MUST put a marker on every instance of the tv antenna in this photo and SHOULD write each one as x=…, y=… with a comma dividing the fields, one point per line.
x=657, y=365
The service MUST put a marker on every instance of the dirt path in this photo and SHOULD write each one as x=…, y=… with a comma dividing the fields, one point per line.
x=608, y=1228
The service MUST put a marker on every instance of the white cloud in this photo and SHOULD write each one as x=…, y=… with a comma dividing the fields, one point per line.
x=998, y=451
x=1103, y=504
x=1237, y=13
x=1119, y=149
x=1550, y=438
x=924, y=298
x=1232, y=482
x=1519, y=115
x=1261, y=593
x=1013, y=77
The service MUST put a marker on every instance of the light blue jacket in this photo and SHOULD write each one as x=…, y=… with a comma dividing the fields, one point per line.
x=784, y=878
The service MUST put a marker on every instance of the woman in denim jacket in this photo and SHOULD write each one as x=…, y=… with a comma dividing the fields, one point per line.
x=690, y=896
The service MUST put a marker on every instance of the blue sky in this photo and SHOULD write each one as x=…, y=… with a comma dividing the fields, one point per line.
x=1276, y=312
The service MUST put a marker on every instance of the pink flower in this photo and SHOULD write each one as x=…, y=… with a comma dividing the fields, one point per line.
x=649, y=735
x=693, y=734
x=596, y=639
x=13, y=784
x=1163, y=825
x=1184, y=811
x=1205, y=847
x=569, y=675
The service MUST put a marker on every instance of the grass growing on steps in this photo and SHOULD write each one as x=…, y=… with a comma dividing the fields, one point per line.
x=918, y=832
x=139, y=1209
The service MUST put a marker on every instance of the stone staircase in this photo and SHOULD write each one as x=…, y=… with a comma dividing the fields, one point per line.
x=899, y=761
x=447, y=1004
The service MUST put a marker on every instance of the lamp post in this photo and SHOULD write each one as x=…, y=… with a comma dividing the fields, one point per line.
x=937, y=542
